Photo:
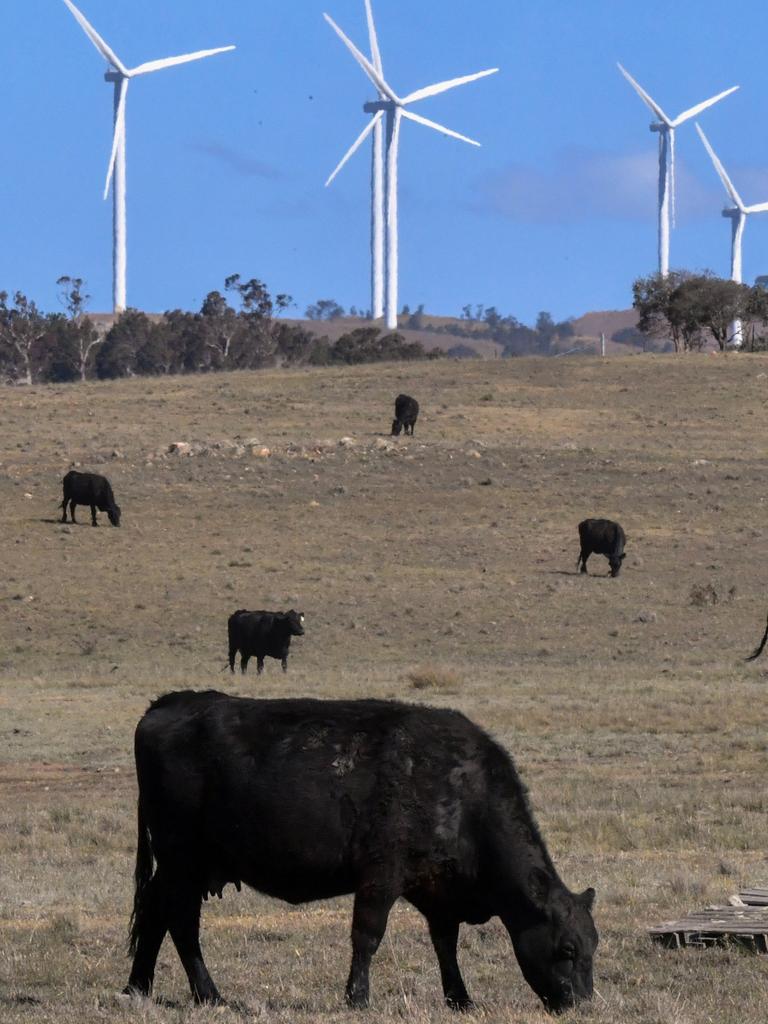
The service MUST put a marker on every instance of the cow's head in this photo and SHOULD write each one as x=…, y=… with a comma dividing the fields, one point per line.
x=555, y=945
x=114, y=515
x=295, y=622
x=615, y=563
x=397, y=426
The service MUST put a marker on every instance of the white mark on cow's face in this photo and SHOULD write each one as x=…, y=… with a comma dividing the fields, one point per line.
x=301, y=618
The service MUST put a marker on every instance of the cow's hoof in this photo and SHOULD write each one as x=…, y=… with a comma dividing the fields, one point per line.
x=463, y=1005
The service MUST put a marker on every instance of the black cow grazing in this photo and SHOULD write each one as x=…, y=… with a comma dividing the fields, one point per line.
x=263, y=634
x=406, y=414
x=89, y=489
x=601, y=537
x=310, y=799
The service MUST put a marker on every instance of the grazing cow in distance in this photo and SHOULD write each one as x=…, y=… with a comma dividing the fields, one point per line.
x=263, y=634
x=601, y=537
x=89, y=489
x=406, y=414
x=312, y=799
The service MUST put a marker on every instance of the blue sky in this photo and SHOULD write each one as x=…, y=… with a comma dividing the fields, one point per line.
x=227, y=158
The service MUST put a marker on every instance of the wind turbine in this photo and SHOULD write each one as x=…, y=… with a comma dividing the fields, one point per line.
x=666, y=126
x=120, y=76
x=738, y=216
x=387, y=114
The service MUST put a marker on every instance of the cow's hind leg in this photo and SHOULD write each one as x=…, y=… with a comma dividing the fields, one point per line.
x=583, y=559
x=149, y=928
x=64, y=511
x=72, y=511
x=93, y=516
x=369, y=922
x=259, y=664
x=445, y=936
x=284, y=662
x=184, y=926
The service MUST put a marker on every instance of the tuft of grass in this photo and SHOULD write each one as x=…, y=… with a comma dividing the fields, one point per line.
x=433, y=677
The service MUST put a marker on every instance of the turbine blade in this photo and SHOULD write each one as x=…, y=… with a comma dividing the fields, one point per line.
x=107, y=53
x=438, y=127
x=687, y=114
x=169, y=62
x=649, y=102
x=756, y=208
x=364, y=63
x=374, y=39
x=723, y=175
x=434, y=90
x=119, y=130
x=357, y=143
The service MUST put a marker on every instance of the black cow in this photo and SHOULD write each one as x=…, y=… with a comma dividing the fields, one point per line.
x=89, y=489
x=309, y=799
x=406, y=414
x=264, y=634
x=601, y=537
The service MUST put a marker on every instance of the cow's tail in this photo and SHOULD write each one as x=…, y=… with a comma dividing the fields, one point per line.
x=233, y=644
x=142, y=877
x=759, y=650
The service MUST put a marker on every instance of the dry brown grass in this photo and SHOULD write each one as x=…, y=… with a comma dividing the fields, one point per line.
x=440, y=569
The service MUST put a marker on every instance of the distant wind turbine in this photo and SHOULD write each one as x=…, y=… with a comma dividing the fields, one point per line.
x=120, y=75
x=666, y=126
x=385, y=279
x=738, y=217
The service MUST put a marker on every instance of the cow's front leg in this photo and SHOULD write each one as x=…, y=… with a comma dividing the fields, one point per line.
x=93, y=516
x=444, y=935
x=72, y=511
x=284, y=662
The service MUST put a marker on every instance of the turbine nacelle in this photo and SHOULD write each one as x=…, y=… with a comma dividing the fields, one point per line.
x=374, y=106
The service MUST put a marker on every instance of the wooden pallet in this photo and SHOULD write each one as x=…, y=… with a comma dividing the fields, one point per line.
x=718, y=926
x=753, y=897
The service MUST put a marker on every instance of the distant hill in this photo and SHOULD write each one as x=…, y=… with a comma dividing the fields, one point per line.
x=587, y=330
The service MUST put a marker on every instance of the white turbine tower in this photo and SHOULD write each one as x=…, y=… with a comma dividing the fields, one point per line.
x=395, y=108
x=666, y=126
x=120, y=75
x=738, y=216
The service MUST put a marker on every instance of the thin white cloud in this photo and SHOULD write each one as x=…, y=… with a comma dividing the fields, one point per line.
x=241, y=163
x=583, y=184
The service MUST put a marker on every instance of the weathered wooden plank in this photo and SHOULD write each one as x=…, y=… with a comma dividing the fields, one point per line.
x=746, y=925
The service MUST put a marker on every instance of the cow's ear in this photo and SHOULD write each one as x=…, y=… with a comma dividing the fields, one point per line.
x=588, y=898
x=539, y=887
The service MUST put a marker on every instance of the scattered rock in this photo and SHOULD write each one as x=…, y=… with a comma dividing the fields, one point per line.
x=27, y=495
x=261, y=453
x=347, y=442
x=485, y=483
x=646, y=616
x=381, y=444
x=179, y=448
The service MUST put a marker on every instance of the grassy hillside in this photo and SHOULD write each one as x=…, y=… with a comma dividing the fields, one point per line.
x=438, y=569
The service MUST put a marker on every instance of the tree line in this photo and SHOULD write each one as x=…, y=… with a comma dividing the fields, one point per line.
x=244, y=333
x=690, y=310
